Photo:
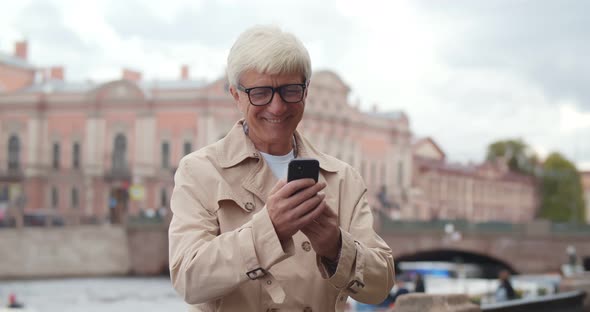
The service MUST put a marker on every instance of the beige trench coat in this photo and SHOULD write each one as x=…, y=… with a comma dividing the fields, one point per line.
x=226, y=256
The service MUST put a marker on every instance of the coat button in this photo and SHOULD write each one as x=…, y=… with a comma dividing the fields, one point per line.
x=307, y=309
x=249, y=206
x=306, y=246
x=268, y=282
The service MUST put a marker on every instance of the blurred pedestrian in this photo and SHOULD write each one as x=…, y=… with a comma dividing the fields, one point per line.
x=12, y=302
x=419, y=282
x=505, y=290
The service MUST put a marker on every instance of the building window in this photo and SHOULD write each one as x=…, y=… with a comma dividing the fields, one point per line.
x=363, y=169
x=76, y=155
x=163, y=198
x=188, y=148
x=373, y=173
x=4, y=194
x=120, y=152
x=75, y=198
x=56, y=155
x=400, y=173
x=165, y=155
x=13, y=153
x=54, y=198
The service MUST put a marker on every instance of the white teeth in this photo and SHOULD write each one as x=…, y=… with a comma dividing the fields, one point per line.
x=275, y=121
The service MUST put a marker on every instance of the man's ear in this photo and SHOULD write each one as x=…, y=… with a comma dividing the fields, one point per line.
x=236, y=95
x=234, y=92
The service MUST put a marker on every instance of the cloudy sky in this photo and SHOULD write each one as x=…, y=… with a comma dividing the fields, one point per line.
x=466, y=72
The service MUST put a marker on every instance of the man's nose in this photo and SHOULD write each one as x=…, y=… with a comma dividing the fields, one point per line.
x=277, y=106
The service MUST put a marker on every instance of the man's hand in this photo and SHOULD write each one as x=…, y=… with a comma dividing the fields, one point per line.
x=294, y=205
x=324, y=234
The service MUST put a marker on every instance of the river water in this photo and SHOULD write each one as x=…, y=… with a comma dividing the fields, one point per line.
x=124, y=294
x=94, y=295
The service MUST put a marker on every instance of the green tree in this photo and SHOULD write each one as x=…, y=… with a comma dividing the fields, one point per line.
x=519, y=155
x=561, y=191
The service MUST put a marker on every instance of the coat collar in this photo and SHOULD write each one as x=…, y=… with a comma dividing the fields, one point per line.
x=236, y=147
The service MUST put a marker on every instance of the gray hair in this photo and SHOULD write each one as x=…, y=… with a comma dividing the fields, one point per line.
x=267, y=49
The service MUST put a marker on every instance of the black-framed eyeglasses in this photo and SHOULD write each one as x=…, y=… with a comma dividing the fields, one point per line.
x=290, y=93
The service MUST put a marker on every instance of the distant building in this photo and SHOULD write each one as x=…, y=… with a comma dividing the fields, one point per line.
x=585, y=176
x=474, y=192
x=102, y=151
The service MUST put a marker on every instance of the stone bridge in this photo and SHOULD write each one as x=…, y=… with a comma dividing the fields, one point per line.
x=531, y=248
x=143, y=250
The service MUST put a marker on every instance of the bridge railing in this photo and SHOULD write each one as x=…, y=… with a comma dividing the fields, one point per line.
x=572, y=301
x=464, y=226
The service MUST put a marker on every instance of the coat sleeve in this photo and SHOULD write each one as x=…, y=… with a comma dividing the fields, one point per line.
x=365, y=269
x=204, y=264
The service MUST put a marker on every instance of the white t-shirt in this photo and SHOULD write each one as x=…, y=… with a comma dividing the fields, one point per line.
x=278, y=164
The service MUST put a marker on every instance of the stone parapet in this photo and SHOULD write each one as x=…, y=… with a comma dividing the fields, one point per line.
x=434, y=303
x=579, y=282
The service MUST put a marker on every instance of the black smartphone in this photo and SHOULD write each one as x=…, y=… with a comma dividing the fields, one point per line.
x=303, y=168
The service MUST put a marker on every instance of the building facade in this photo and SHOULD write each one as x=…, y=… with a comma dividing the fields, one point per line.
x=476, y=192
x=585, y=177
x=99, y=152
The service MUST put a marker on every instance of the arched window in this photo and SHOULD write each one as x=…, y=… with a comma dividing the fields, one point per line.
x=4, y=193
x=165, y=155
x=13, y=153
x=75, y=198
x=120, y=152
x=364, y=169
x=188, y=147
x=373, y=173
x=56, y=155
x=163, y=198
x=54, y=198
x=400, y=173
x=76, y=156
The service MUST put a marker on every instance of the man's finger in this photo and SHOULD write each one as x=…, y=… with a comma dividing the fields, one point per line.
x=308, y=206
x=308, y=218
x=278, y=186
x=294, y=186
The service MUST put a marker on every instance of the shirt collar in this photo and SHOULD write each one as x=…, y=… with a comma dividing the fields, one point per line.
x=236, y=147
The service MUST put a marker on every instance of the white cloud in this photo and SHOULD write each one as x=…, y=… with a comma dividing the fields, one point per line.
x=467, y=74
x=571, y=119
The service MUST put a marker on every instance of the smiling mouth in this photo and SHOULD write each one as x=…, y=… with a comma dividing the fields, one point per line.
x=275, y=120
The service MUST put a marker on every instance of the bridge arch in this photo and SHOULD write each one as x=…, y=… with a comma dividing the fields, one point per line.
x=490, y=266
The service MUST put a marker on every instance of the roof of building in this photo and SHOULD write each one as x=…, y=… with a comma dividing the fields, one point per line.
x=173, y=84
x=15, y=61
x=474, y=170
x=397, y=114
x=60, y=86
